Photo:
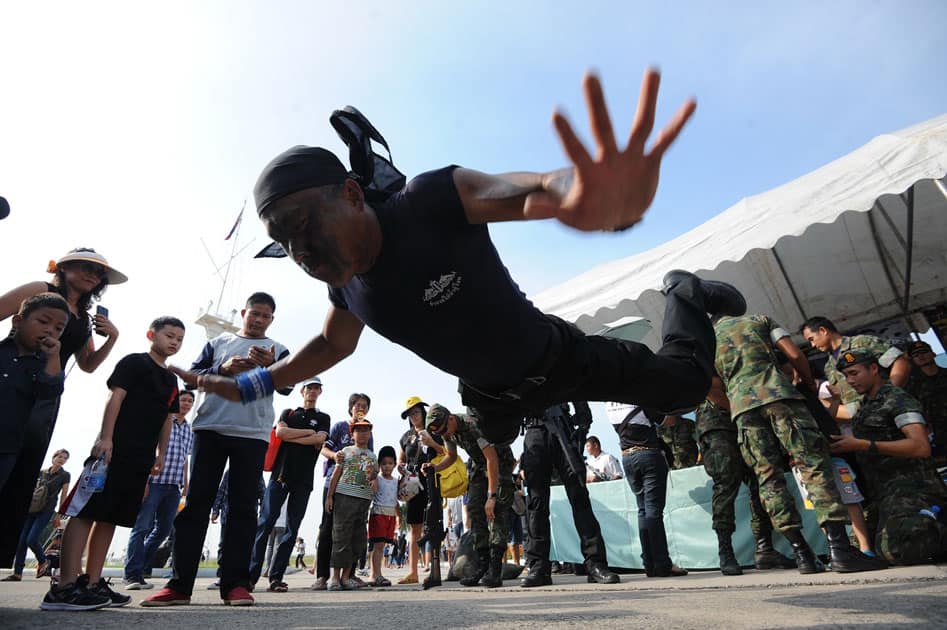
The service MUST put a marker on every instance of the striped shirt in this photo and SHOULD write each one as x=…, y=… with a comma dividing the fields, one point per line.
x=179, y=447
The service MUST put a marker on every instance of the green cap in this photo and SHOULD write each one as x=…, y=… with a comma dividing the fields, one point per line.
x=437, y=414
x=854, y=357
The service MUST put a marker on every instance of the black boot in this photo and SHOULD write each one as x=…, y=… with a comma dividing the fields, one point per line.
x=768, y=558
x=538, y=576
x=806, y=561
x=483, y=562
x=494, y=575
x=728, y=561
x=599, y=572
x=844, y=557
x=720, y=298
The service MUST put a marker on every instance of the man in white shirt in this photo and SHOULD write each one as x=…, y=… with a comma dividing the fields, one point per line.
x=600, y=466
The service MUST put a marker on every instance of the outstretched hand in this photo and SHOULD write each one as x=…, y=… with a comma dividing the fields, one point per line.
x=211, y=383
x=613, y=190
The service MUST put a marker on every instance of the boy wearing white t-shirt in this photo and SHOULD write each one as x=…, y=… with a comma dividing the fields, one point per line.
x=381, y=521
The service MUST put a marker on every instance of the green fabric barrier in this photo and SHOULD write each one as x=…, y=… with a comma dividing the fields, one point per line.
x=687, y=519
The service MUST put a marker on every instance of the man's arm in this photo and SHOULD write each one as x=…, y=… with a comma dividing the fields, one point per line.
x=163, y=446
x=610, y=191
x=914, y=444
x=798, y=361
x=103, y=445
x=900, y=372
x=493, y=478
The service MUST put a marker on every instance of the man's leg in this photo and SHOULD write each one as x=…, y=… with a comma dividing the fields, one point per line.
x=476, y=498
x=536, y=464
x=190, y=527
x=635, y=479
x=167, y=509
x=272, y=506
x=653, y=469
x=724, y=464
x=135, y=553
x=500, y=527
x=295, y=513
x=324, y=546
x=246, y=466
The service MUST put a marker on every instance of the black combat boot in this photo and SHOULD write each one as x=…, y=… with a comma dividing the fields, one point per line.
x=483, y=561
x=538, y=576
x=494, y=575
x=766, y=557
x=844, y=557
x=806, y=561
x=720, y=298
x=599, y=572
x=728, y=561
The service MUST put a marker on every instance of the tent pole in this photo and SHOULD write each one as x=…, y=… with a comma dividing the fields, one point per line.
x=792, y=289
x=909, y=254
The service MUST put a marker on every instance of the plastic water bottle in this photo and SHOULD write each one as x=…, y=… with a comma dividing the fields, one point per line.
x=95, y=480
x=933, y=512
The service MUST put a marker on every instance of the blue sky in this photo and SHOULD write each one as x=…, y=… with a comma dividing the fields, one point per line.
x=139, y=131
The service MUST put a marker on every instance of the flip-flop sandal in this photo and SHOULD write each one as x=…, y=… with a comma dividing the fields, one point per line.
x=380, y=582
x=408, y=580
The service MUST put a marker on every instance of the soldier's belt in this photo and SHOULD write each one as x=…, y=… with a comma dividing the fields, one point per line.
x=635, y=449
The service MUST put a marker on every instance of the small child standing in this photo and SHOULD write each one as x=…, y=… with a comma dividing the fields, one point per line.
x=136, y=421
x=348, y=498
x=381, y=521
x=300, y=553
x=29, y=369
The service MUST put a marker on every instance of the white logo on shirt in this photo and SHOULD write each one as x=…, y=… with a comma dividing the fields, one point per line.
x=442, y=289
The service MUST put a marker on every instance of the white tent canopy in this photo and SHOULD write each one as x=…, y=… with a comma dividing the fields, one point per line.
x=843, y=241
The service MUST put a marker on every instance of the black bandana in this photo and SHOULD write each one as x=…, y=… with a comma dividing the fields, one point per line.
x=296, y=169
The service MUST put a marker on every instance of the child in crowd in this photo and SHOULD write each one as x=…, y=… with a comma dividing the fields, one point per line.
x=30, y=369
x=349, y=495
x=142, y=394
x=300, y=553
x=381, y=522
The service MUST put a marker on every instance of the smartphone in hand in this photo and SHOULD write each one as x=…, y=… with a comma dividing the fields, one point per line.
x=104, y=312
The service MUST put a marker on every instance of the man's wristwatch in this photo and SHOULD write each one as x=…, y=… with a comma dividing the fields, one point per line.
x=872, y=447
x=492, y=495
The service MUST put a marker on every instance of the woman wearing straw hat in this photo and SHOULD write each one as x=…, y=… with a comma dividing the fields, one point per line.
x=81, y=276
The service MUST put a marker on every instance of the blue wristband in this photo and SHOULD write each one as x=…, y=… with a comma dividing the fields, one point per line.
x=254, y=385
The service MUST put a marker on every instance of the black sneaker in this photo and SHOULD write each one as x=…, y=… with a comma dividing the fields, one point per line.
x=104, y=588
x=136, y=584
x=73, y=597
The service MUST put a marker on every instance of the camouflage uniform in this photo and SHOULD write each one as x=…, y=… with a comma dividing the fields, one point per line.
x=680, y=438
x=717, y=435
x=931, y=392
x=884, y=352
x=772, y=420
x=469, y=437
x=896, y=488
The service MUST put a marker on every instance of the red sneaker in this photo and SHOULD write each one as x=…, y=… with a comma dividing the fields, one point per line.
x=166, y=597
x=238, y=596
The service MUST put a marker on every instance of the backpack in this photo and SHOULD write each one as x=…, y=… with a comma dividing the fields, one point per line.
x=40, y=494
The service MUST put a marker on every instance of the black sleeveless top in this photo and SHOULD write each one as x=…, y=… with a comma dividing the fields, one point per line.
x=75, y=335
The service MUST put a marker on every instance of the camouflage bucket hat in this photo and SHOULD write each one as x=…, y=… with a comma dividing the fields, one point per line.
x=853, y=357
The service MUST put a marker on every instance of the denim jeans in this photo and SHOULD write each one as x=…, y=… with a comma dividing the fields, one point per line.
x=276, y=494
x=153, y=525
x=647, y=474
x=29, y=537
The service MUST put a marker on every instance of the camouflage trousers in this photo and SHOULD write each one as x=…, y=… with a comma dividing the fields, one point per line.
x=724, y=463
x=766, y=435
x=901, y=533
x=497, y=532
x=680, y=438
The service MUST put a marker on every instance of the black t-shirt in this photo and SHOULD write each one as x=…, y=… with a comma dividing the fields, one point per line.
x=151, y=395
x=415, y=453
x=640, y=430
x=440, y=289
x=54, y=482
x=74, y=335
x=295, y=462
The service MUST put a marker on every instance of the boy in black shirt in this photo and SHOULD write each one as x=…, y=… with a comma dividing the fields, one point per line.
x=136, y=420
x=303, y=431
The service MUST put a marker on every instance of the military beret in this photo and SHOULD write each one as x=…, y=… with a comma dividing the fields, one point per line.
x=853, y=357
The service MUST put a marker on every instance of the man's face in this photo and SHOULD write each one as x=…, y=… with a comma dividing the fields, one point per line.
x=185, y=402
x=922, y=358
x=42, y=323
x=862, y=377
x=447, y=429
x=819, y=339
x=167, y=340
x=311, y=393
x=256, y=319
x=593, y=448
x=317, y=228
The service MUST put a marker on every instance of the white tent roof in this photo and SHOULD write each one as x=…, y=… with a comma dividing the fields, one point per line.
x=834, y=242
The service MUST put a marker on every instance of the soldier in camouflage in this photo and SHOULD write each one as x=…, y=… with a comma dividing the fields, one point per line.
x=773, y=420
x=490, y=488
x=723, y=462
x=929, y=385
x=899, y=478
x=822, y=334
x=678, y=434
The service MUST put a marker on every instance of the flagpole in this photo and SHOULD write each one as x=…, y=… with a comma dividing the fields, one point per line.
x=233, y=251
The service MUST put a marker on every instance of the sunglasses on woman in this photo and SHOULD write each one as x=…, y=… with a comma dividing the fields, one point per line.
x=88, y=267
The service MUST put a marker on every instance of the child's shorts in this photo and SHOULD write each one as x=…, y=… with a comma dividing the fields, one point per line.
x=118, y=503
x=381, y=528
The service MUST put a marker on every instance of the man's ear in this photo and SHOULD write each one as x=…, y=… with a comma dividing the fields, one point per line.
x=352, y=193
x=16, y=321
x=150, y=334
